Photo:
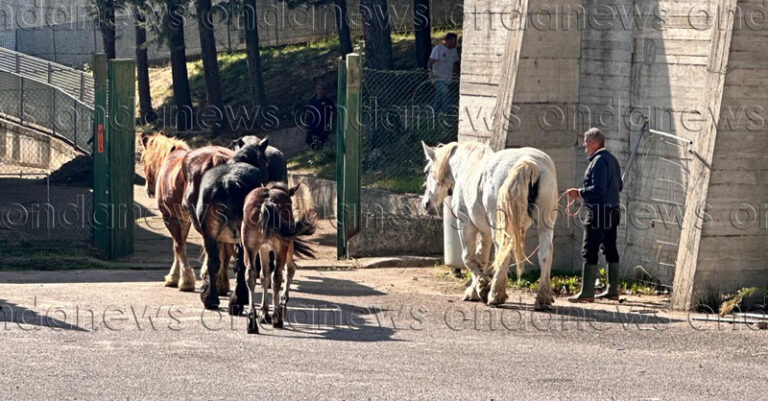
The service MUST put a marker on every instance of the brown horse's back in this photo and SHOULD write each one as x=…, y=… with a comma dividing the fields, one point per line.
x=195, y=164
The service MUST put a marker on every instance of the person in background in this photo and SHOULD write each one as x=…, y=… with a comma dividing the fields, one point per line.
x=442, y=65
x=601, y=191
x=318, y=118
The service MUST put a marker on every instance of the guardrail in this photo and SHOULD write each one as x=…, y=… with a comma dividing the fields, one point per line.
x=46, y=108
x=76, y=83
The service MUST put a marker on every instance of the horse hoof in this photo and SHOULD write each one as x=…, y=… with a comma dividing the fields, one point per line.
x=543, y=308
x=253, y=325
x=235, y=310
x=496, y=299
x=171, y=284
x=483, y=294
x=277, y=324
x=211, y=306
x=187, y=287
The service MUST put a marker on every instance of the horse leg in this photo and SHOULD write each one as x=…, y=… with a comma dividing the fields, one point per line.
x=545, y=297
x=208, y=293
x=290, y=270
x=222, y=278
x=499, y=284
x=478, y=289
x=251, y=278
x=173, y=226
x=264, y=258
x=277, y=280
x=240, y=294
x=187, y=282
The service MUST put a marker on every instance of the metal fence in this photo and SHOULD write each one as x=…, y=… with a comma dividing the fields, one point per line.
x=78, y=84
x=46, y=109
x=400, y=109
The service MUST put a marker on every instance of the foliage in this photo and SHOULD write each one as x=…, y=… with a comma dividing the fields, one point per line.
x=746, y=299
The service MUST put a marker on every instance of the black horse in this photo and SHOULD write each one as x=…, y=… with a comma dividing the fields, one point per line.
x=276, y=164
x=219, y=213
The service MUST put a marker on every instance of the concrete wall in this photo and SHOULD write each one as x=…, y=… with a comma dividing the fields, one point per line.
x=26, y=150
x=392, y=224
x=733, y=251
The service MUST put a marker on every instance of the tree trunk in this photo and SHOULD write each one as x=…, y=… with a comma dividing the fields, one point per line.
x=378, y=43
x=208, y=54
x=146, y=114
x=181, y=93
x=107, y=25
x=342, y=26
x=423, y=29
x=253, y=57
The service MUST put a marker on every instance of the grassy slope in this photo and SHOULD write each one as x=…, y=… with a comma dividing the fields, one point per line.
x=289, y=74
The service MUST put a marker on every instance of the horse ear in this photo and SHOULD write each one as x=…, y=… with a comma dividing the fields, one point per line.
x=264, y=143
x=429, y=152
x=145, y=139
x=292, y=191
x=236, y=144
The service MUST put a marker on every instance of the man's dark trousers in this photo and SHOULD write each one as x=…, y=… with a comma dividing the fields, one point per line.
x=600, y=229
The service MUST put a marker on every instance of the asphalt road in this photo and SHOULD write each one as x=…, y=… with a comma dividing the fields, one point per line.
x=356, y=335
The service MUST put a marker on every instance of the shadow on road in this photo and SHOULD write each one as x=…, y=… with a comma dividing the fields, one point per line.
x=12, y=313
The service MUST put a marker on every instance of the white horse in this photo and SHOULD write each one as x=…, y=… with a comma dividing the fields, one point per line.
x=498, y=196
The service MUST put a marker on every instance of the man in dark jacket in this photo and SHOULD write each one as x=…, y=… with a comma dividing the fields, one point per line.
x=319, y=118
x=602, y=186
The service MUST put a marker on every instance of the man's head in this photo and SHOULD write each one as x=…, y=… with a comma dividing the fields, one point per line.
x=319, y=90
x=450, y=40
x=593, y=140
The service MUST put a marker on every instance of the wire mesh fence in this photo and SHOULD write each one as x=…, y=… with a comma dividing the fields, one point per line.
x=78, y=84
x=45, y=109
x=659, y=182
x=400, y=109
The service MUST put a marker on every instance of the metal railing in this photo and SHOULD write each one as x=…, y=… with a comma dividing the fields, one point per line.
x=47, y=109
x=75, y=83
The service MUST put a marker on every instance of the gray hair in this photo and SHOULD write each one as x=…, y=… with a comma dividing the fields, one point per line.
x=594, y=134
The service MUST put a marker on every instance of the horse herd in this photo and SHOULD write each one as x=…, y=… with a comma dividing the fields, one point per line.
x=238, y=198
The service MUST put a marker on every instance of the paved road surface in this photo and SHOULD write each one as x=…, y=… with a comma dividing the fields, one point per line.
x=345, y=340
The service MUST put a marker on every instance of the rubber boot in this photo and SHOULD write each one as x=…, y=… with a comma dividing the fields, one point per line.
x=612, y=283
x=587, y=293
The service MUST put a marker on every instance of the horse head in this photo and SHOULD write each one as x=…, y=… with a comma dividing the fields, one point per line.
x=439, y=182
x=251, y=151
x=157, y=147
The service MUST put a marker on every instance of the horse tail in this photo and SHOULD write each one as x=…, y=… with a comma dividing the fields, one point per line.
x=512, y=213
x=273, y=223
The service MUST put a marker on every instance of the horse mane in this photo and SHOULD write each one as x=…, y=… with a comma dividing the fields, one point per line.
x=158, y=147
x=443, y=154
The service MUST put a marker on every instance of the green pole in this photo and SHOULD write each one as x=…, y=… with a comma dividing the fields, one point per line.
x=121, y=147
x=101, y=212
x=341, y=99
x=352, y=139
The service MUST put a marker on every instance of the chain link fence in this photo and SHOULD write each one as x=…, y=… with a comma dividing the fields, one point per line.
x=400, y=109
x=45, y=164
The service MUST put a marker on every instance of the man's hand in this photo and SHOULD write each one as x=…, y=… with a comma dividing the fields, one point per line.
x=572, y=193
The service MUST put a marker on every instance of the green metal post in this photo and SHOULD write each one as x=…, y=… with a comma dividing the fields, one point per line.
x=352, y=140
x=101, y=212
x=341, y=238
x=121, y=122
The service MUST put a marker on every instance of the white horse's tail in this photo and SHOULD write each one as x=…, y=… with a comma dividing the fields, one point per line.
x=512, y=213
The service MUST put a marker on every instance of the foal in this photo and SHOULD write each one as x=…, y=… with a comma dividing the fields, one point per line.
x=269, y=226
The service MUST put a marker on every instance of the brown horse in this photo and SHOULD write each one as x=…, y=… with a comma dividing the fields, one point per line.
x=163, y=158
x=195, y=164
x=269, y=225
x=173, y=170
